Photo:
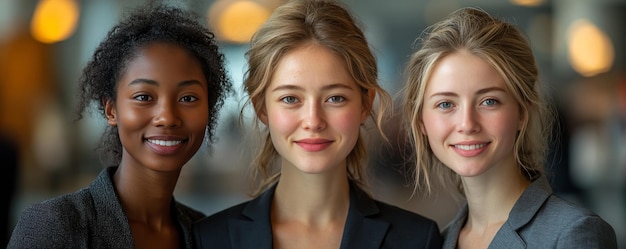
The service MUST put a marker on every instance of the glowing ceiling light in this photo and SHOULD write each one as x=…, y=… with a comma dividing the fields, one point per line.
x=590, y=50
x=236, y=21
x=528, y=3
x=54, y=20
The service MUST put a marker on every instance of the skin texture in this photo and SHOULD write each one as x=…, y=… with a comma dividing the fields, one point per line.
x=161, y=113
x=160, y=97
x=471, y=122
x=313, y=110
x=469, y=117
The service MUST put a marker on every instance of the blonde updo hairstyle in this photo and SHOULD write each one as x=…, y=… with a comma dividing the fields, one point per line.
x=504, y=47
x=325, y=23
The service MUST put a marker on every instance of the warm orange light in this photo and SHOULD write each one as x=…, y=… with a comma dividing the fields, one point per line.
x=238, y=20
x=528, y=3
x=590, y=50
x=54, y=20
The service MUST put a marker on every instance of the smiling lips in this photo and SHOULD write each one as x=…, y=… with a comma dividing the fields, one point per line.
x=314, y=145
x=469, y=150
x=165, y=146
x=165, y=142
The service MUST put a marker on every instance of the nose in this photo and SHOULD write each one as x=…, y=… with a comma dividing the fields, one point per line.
x=468, y=123
x=166, y=115
x=313, y=119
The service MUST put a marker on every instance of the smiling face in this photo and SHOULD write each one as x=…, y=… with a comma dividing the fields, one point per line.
x=469, y=116
x=161, y=110
x=313, y=109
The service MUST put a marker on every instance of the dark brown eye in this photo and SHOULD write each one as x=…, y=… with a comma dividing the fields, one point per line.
x=188, y=98
x=143, y=97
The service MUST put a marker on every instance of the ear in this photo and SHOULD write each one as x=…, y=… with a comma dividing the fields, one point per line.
x=422, y=129
x=523, y=116
x=262, y=116
x=110, y=112
x=371, y=94
x=261, y=111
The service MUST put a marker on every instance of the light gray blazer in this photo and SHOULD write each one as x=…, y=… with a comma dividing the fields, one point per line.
x=88, y=218
x=539, y=219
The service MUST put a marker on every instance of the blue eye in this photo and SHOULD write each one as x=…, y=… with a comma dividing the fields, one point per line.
x=143, y=97
x=289, y=100
x=444, y=105
x=336, y=99
x=188, y=98
x=490, y=102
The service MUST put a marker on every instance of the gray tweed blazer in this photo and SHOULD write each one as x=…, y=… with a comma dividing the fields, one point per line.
x=88, y=218
x=539, y=219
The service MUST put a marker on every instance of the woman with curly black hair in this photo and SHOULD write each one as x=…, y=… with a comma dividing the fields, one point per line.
x=159, y=80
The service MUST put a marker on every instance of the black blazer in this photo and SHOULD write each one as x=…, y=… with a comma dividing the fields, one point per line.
x=370, y=224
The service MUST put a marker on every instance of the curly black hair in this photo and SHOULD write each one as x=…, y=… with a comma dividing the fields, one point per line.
x=149, y=24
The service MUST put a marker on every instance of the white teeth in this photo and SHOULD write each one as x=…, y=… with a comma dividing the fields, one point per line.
x=469, y=147
x=165, y=142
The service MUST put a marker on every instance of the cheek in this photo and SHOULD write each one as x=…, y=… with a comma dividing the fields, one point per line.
x=281, y=121
x=434, y=125
x=346, y=120
x=197, y=120
x=506, y=126
x=346, y=123
x=131, y=119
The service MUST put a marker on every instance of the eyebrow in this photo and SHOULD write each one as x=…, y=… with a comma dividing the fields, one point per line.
x=154, y=82
x=481, y=91
x=324, y=88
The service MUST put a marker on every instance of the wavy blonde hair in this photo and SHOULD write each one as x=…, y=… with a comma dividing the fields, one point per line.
x=326, y=23
x=504, y=47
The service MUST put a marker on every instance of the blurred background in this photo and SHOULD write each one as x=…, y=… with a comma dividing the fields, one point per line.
x=579, y=46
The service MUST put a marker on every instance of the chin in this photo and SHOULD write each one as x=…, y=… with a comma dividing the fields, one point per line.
x=468, y=172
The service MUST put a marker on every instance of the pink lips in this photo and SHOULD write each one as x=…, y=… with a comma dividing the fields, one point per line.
x=470, y=149
x=314, y=144
x=165, y=145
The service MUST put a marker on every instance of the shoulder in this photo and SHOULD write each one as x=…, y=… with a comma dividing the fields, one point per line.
x=68, y=207
x=402, y=216
x=214, y=230
x=53, y=222
x=405, y=225
x=218, y=220
x=570, y=226
x=188, y=212
x=562, y=211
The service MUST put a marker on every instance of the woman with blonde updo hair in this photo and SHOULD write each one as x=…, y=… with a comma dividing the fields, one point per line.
x=478, y=119
x=312, y=80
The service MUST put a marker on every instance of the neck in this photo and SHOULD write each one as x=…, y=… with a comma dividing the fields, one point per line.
x=490, y=199
x=311, y=198
x=145, y=195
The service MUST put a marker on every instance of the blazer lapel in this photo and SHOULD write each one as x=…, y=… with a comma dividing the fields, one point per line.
x=508, y=238
x=253, y=229
x=522, y=212
x=452, y=230
x=362, y=229
x=112, y=229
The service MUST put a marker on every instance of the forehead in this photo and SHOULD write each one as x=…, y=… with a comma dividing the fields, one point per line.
x=463, y=71
x=311, y=64
x=165, y=61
